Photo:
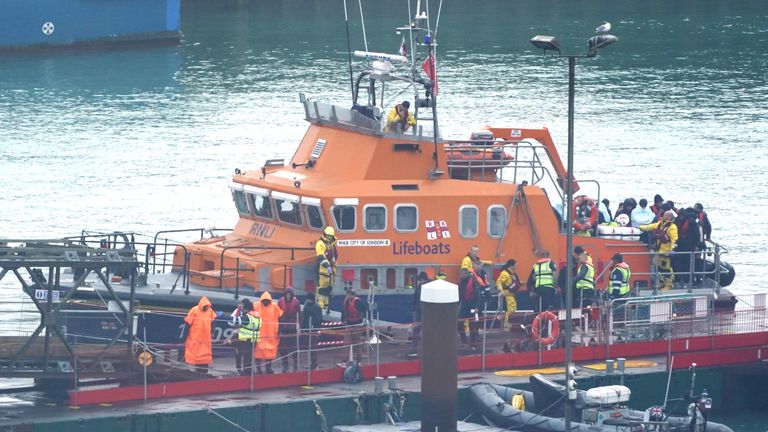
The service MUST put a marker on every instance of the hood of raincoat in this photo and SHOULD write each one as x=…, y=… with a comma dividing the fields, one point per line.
x=265, y=296
x=203, y=302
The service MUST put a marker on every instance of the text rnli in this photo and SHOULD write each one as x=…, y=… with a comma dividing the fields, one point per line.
x=263, y=230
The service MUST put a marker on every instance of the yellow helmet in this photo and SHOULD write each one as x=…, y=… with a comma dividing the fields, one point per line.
x=329, y=231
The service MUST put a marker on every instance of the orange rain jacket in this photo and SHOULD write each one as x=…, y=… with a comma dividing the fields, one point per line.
x=266, y=348
x=197, y=348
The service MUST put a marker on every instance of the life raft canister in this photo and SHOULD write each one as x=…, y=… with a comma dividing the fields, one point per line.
x=536, y=328
x=585, y=213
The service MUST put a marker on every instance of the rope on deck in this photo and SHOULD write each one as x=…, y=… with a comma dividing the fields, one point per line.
x=210, y=411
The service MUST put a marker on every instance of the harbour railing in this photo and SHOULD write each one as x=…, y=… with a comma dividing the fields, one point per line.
x=662, y=325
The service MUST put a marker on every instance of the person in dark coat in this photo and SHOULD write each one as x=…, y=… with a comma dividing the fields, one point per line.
x=353, y=314
x=289, y=322
x=416, y=339
x=312, y=319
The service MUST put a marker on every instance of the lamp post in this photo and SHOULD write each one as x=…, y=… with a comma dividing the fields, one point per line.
x=550, y=43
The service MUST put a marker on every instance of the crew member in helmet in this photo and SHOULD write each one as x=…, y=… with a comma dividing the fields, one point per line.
x=326, y=252
x=665, y=241
x=399, y=119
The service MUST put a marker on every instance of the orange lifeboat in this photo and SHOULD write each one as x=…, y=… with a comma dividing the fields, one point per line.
x=478, y=158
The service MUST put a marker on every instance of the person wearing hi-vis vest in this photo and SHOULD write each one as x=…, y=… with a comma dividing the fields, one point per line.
x=620, y=275
x=585, y=280
x=541, y=282
x=325, y=250
x=247, y=337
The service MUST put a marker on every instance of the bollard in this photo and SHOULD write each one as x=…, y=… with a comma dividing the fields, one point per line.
x=609, y=367
x=392, y=383
x=620, y=362
x=378, y=385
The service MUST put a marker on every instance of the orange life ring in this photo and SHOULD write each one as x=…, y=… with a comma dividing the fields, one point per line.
x=551, y=317
x=580, y=201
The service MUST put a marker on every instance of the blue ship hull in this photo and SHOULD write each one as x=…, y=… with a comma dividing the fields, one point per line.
x=49, y=23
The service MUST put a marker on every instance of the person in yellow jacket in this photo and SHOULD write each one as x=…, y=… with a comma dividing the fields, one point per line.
x=325, y=250
x=665, y=240
x=508, y=283
x=399, y=119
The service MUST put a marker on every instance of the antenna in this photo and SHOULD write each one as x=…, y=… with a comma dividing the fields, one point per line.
x=349, y=52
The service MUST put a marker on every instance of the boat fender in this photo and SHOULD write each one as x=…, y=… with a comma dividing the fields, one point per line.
x=536, y=328
x=518, y=402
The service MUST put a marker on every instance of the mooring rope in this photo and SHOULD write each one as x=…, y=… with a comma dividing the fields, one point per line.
x=210, y=411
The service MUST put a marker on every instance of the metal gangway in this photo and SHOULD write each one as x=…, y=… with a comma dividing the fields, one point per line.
x=38, y=329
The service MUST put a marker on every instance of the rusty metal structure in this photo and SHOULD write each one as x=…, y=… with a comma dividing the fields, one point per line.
x=34, y=337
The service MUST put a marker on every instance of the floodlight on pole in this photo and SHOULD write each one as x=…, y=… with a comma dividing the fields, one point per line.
x=550, y=43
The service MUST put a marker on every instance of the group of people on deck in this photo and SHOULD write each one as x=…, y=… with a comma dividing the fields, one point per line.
x=544, y=289
x=667, y=229
x=263, y=329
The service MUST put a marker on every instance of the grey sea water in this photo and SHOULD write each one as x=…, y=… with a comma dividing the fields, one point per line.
x=146, y=139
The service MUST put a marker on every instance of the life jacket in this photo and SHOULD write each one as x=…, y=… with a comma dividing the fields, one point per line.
x=588, y=282
x=475, y=283
x=290, y=309
x=515, y=281
x=542, y=274
x=353, y=315
x=622, y=286
x=328, y=249
x=661, y=233
x=250, y=331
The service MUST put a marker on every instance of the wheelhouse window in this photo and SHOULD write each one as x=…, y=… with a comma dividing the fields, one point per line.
x=344, y=217
x=261, y=204
x=239, y=197
x=314, y=217
x=406, y=217
x=468, y=221
x=313, y=212
x=375, y=217
x=288, y=208
x=497, y=221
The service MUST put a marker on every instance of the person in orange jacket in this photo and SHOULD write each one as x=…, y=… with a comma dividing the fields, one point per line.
x=197, y=348
x=266, y=348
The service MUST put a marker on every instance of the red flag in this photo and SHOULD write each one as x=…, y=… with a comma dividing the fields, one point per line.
x=430, y=68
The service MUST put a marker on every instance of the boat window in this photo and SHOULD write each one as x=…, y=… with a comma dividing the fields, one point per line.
x=391, y=278
x=375, y=217
x=314, y=216
x=409, y=277
x=241, y=203
x=406, y=217
x=497, y=220
x=260, y=206
x=288, y=211
x=369, y=276
x=468, y=221
x=344, y=217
